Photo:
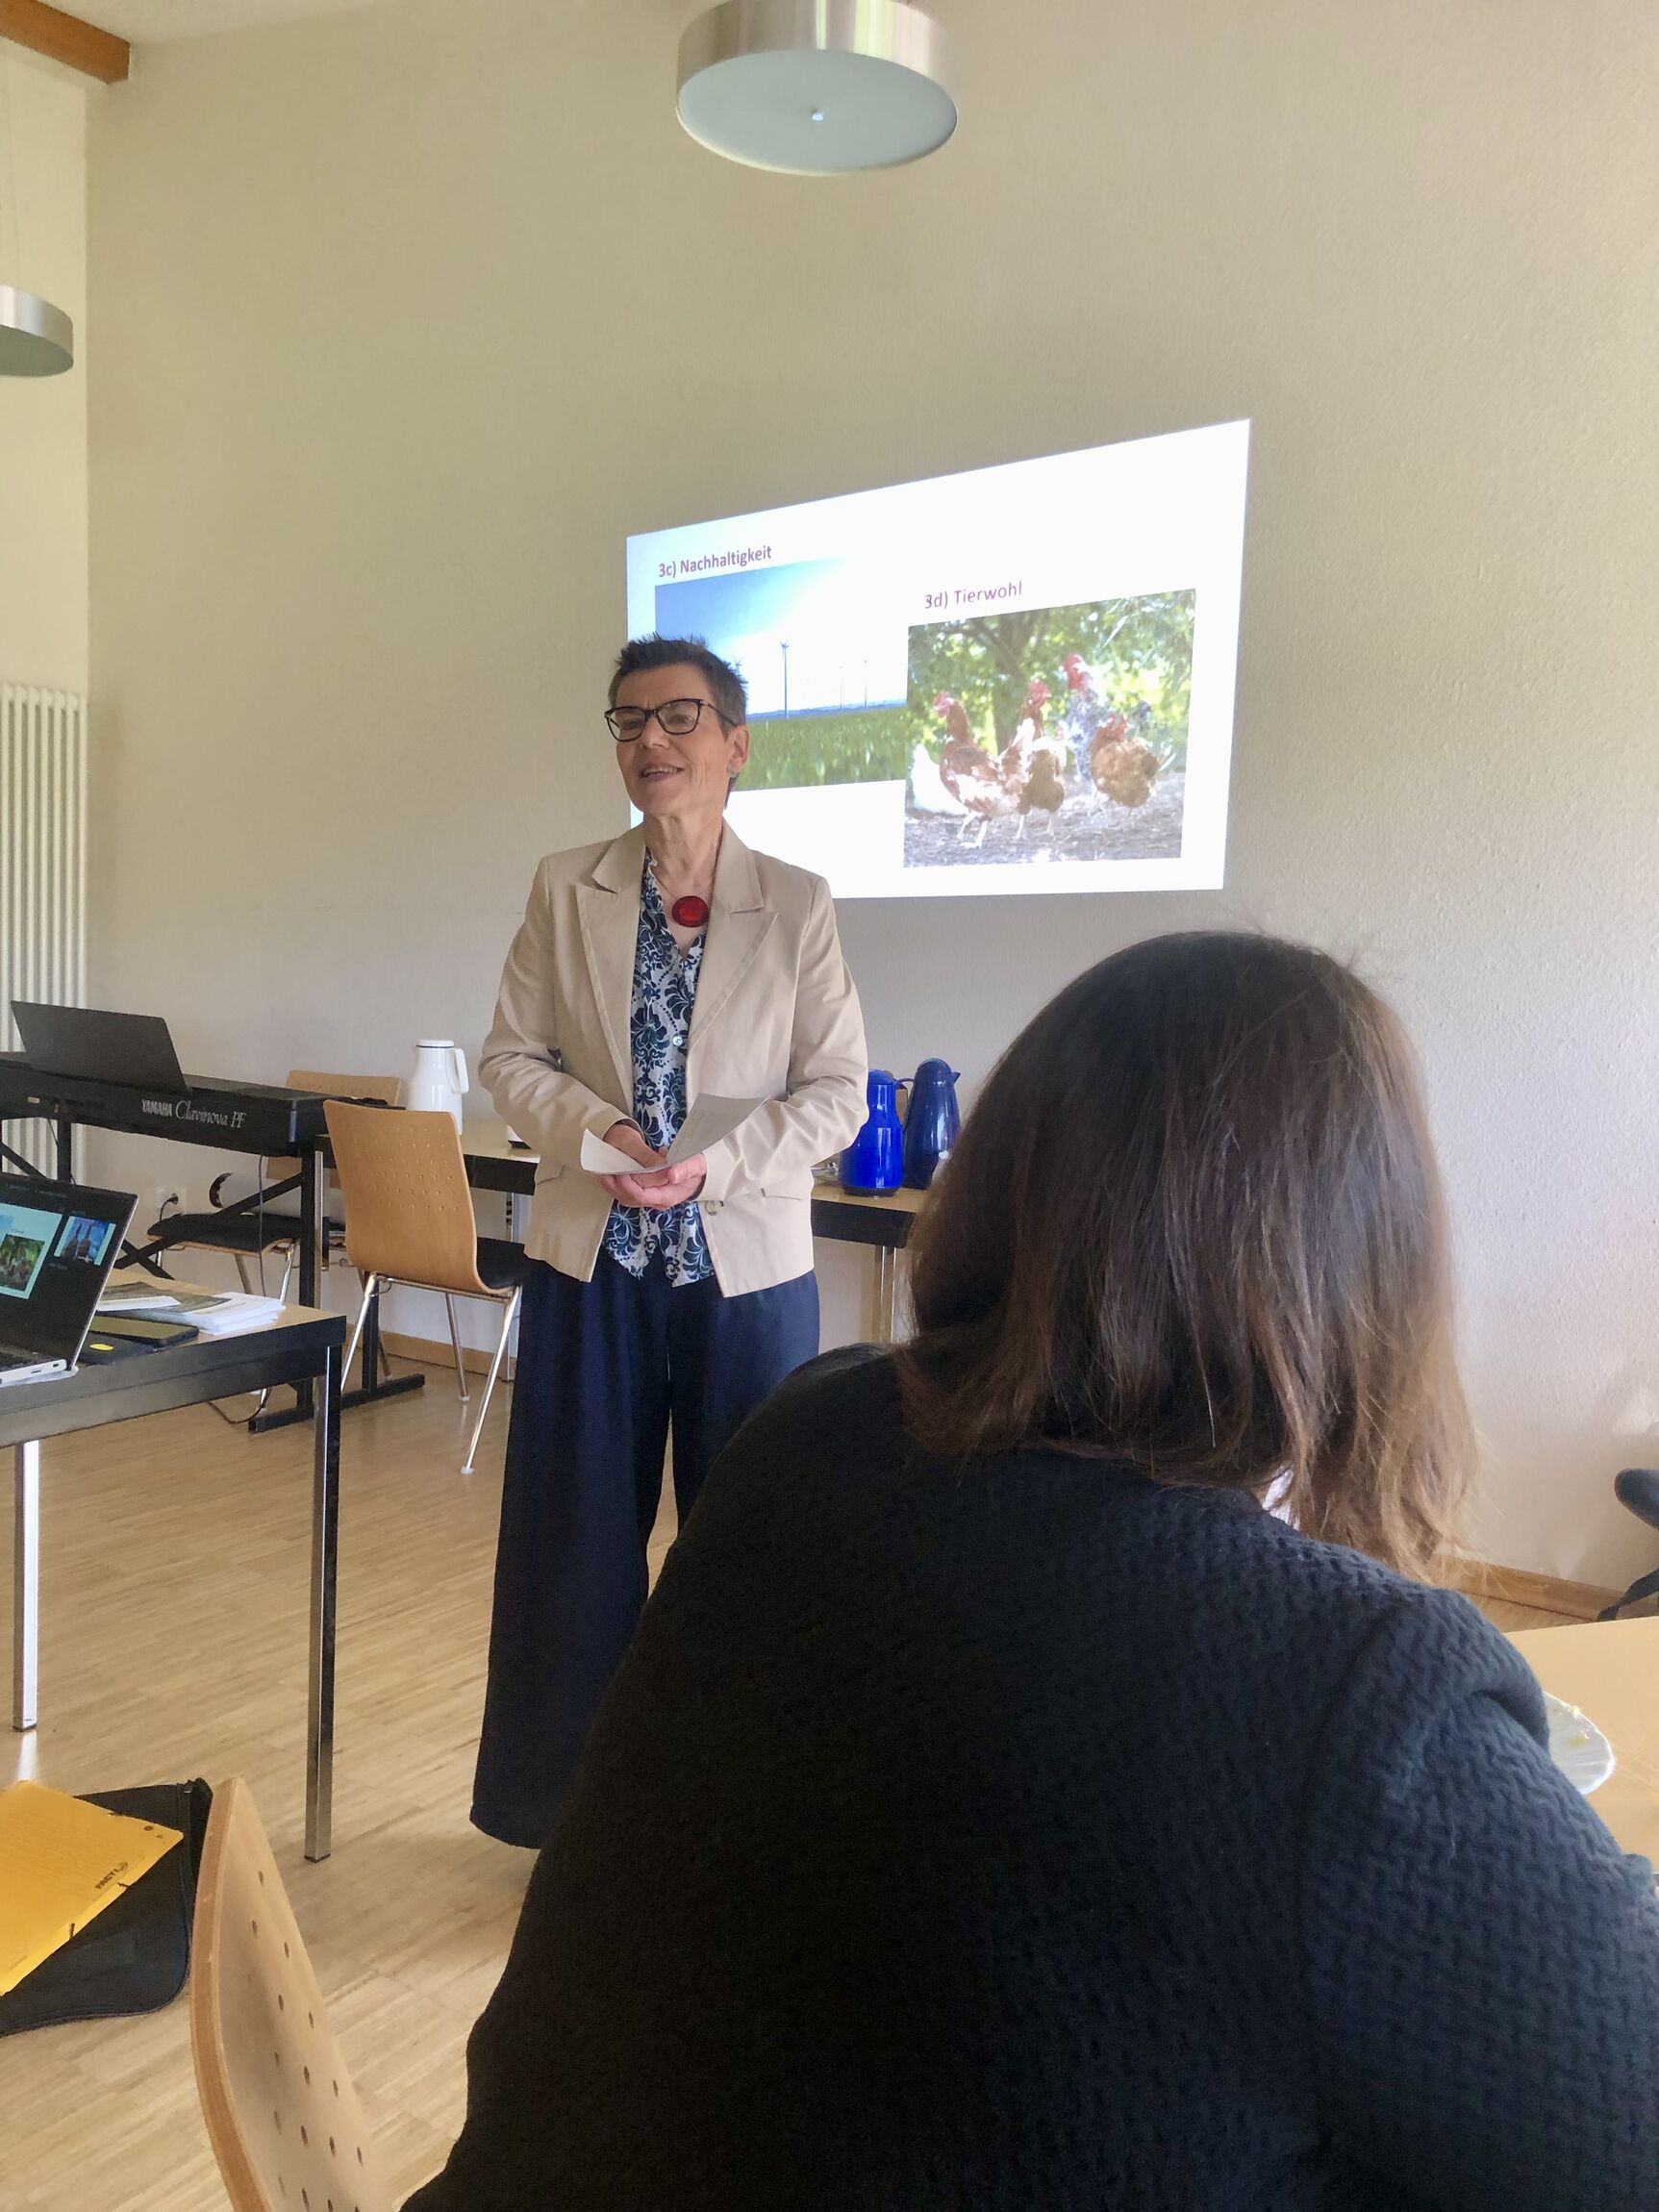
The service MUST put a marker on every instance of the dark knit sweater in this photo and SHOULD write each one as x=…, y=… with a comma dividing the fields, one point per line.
x=1027, y=1836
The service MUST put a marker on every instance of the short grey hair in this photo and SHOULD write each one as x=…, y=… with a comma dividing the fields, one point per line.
x=727, y=687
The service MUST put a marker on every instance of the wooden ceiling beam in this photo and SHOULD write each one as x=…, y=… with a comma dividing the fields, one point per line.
x=66, y=38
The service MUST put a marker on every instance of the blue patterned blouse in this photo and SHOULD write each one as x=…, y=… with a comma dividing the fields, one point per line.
x=659, y=1025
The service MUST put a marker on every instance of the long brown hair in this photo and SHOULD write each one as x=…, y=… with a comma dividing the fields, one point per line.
x=1193, y=1221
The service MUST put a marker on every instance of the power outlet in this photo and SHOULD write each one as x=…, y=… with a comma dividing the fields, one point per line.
x=165, y=1198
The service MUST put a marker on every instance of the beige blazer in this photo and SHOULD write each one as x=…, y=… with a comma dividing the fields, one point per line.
x=776, y=1018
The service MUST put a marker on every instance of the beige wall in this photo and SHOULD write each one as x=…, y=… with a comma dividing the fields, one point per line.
x=44, y=422
x=407, y=318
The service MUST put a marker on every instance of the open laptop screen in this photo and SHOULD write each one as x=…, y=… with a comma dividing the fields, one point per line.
x=58, y=1243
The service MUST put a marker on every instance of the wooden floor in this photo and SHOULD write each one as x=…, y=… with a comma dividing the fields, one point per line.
x=1509, y=1616
x=174, y=1624
x=174, y=1641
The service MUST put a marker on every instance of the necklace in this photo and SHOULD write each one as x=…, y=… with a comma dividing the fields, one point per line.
x=690, y=912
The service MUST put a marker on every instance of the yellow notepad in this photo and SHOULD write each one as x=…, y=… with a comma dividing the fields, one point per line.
x=61, y=1861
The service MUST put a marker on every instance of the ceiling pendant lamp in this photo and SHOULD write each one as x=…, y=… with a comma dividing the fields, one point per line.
x=35, y=338
x=816, y=87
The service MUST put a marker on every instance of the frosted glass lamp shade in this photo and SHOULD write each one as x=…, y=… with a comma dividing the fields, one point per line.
x=816, y=87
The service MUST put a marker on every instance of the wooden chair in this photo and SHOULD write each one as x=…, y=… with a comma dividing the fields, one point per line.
x=409, y=1220
x=281, y=2111
x=1637, y=1488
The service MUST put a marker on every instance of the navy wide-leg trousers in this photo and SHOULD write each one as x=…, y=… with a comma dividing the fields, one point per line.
x=606, y=1369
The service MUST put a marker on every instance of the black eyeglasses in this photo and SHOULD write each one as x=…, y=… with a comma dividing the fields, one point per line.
x=679, y=718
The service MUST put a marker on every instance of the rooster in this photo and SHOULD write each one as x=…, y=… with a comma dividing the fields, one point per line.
x=1121, y=763
x=972, y=778
x=1083, y=713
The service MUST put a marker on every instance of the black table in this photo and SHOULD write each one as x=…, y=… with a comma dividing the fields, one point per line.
x=300, y=1347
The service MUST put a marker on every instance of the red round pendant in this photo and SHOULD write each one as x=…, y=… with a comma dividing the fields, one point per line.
x=690, y=913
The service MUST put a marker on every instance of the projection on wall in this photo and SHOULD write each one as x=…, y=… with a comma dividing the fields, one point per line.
x=1019, y=679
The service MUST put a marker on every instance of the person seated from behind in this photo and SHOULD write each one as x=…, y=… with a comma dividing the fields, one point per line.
x=998, y=1808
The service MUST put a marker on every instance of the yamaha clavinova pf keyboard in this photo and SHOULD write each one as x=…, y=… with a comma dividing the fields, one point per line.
x=259, y=1118
x=84, y=1068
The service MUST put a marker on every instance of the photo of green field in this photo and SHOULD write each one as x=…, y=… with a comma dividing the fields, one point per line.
x=854, y=746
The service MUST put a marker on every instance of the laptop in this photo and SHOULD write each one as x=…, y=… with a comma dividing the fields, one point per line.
x=95, y=1046
x=58, y=1243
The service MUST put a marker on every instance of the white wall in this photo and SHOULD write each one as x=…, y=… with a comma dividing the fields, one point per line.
x=406, y=318
x=43, y=421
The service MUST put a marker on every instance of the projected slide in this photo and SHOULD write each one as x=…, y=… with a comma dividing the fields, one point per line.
x=1018, y=679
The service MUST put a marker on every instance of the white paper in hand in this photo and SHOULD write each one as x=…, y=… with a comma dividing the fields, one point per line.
x=709, y=1119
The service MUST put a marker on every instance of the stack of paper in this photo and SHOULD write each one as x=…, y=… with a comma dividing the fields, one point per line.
x=234, y=1310
x=61, y=1861
x=135, y=1297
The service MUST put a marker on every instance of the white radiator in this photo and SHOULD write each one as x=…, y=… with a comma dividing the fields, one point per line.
x=42, y=867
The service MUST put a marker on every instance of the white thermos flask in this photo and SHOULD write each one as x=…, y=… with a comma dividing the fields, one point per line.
x=438, y=1082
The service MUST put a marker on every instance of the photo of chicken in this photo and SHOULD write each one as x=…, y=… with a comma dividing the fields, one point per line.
x=1111, y=758
x=1121, y=763
x=1083, y=713
x=1034, y=762
x=1076, y=716
x=972, y=778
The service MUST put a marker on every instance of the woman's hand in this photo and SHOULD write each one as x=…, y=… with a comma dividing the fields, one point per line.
x=627, y=1137
x=660, y=1187
x=674, y=1185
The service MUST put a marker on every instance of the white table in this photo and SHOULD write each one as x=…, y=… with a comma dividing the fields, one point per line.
x=1610, y=1671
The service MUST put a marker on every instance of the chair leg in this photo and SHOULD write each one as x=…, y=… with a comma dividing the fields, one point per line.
x=370, y=1290
x=237, y=1419
x=509, y=1315
x=1647, y=1586
x=383, y=1367
x=282, y=1300
x=455, y=1341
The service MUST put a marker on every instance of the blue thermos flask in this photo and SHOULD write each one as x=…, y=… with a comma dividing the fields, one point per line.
x=931, y=1123
x=874, y=1160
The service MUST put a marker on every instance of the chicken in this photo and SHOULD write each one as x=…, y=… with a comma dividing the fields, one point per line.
x=1083, y=713
x=958, y=729
x=1046, y=786
x=1034, y=762
x=1112, y=758
x=1028, y=775
x=1120, y=762
x=1015, y=762
x=927, y=792
x=967, y=770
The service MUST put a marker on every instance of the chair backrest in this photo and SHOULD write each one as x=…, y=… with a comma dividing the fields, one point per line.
x=281, y=2111
x=389, y=1089
x=408, y=1202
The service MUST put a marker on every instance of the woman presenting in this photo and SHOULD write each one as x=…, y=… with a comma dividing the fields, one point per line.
x=669, y=963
